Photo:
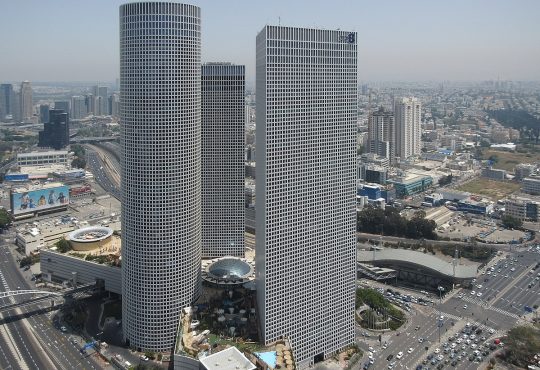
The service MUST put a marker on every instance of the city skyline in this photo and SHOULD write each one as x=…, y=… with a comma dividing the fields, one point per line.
x=418, y=41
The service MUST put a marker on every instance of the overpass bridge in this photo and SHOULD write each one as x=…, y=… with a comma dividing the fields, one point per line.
x=92, y=139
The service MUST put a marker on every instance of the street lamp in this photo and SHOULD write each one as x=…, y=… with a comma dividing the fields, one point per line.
x=439, y=319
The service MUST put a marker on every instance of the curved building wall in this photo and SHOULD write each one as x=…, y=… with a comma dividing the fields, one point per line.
x=90, y=245
x=160, y=102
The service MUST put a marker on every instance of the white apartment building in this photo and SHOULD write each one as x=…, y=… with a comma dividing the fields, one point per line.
x=160, y=100
x=407, y=115
x=306, y=188
x=531, y=185
x=223, y=146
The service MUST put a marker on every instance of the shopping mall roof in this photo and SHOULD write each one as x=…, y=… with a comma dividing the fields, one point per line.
x=422, y=260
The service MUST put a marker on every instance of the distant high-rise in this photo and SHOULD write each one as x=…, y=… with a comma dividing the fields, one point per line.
x=26, y=105
x=90, y=103
x=307, y=94
x=114, y=103
x=381, y=134
x=62, y=105
x=56, y=132
x=101, y=100
x=223, y=143
x=7, y=97
x=407, y=114
x=44, y=113
x=160, y=115
x=78, y=107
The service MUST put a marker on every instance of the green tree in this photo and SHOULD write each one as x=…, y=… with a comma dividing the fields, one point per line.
x=5, y=218
x=78, y=150
x=521, y=344
x=63, y=245
x=511, y=222
x=78, y=163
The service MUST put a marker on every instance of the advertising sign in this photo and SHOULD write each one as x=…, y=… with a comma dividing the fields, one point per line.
x=39, y=199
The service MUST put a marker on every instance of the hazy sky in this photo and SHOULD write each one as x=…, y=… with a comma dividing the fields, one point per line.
x=406, y=40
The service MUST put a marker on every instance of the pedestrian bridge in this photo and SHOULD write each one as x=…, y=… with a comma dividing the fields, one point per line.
x=11, y=293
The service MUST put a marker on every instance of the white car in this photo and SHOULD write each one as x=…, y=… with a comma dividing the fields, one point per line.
x=420, y=340
x=491, y=331
x=410, y=350
x=441, y=318
x=465, y=306
x=473, y=292
x=437, y=350
x=479, y=286
x=399, y=355
x=479, y=294
x=370, y=349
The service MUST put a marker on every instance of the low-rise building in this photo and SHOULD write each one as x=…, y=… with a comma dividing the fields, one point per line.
x=523, y=209
x=410, y=185
x=36, y=237
x=494, y=174
x=43, y=158
x=475, y=204
x=531, y=185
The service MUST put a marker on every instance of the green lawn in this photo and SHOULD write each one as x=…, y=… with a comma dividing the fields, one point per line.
x=508, y=160
x=492, y=189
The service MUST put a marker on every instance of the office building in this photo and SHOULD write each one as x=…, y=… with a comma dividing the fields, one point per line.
x=55, y=133
x=407, y=114
x=100, y=94
x=78, y=107
x=223, y=144
x=306, y=188
x=523, y=209
x=26, y=106
x=43, y=113
x=531, y=185
x=62, y=105
x=160, y=99
x=7, y=97
x=90, y=103
x=381, y=134
x=114, y=105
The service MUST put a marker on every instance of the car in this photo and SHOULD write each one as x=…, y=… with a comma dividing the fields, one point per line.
x=26, y=268
x=144, y=357
x=478, y=331
x=465, y=306
x=491, y=330
x=417, y=327
x=454, y=345
x=370, y=349
x=473, y=292
x=63, y=329
x=479, y=286
x=399, y=355
x=410, y=350
x=437, y=350
x=441, y=318
x=371, y=361
x=367, y=365
x=420, y=340
x=389, y=357
x=454, y=363
x=471, y=358
x=440, y=357
x=385, y=345
x=391, y=364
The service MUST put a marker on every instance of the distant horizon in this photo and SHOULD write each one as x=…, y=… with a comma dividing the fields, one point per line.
x=415, y=41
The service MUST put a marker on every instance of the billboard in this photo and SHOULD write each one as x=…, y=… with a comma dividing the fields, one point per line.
x=16, y=177
x=39, y=199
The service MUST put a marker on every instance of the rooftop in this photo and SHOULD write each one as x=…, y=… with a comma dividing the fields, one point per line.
x=422, y=259
x=228, y=359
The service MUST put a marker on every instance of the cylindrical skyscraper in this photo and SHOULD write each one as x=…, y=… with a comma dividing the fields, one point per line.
x=160, y=105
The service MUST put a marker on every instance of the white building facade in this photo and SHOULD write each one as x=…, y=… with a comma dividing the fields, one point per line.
x=223, y=144
x=407, y=115
x=306, y=182
x=160, y=103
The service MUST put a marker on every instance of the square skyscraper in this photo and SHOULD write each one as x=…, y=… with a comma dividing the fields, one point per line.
x=306, y=178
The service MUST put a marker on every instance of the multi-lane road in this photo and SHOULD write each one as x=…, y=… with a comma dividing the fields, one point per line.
x=28, y=338
x=499, y=307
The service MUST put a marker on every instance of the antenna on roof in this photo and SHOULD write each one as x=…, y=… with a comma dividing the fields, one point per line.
x=279, y=21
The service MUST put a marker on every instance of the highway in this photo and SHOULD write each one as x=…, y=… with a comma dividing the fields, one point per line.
x=101, y=174
x=29, y=338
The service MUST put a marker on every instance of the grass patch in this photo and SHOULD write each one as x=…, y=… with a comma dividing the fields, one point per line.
x=243, y=347
x=490, y=188
x=508, y=160
x=112, y=309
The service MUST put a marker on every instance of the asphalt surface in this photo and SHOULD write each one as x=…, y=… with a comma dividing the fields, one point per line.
x=31, y=341
x=499, y=308
x=101, y=176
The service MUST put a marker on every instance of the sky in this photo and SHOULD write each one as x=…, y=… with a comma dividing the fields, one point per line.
x=398, y=40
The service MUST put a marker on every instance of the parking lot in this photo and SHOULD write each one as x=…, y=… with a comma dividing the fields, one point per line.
x=468, y=321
